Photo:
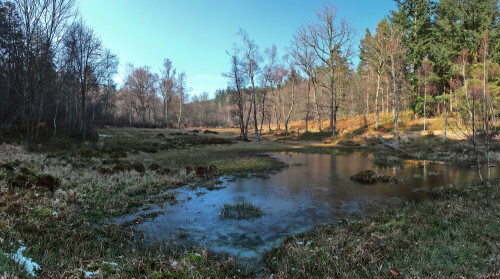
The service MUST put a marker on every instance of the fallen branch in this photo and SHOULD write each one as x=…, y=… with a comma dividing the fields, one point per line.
x=393, y=146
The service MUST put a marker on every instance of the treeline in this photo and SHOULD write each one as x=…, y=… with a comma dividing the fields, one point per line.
x=149, y=99
x=451, y=55
x=57, y=77
x=55, y=74
x=427, y=57
x=430, y=58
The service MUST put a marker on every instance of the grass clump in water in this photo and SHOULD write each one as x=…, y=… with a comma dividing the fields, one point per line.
x=249, y=164
x=243, y=210
x=370, y=177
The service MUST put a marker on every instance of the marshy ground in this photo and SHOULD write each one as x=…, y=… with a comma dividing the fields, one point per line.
x=57, y=200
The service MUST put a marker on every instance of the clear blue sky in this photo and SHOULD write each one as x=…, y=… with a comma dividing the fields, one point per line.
x=195, y=34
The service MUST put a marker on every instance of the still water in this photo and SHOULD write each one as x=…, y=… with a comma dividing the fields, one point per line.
x=315, y=189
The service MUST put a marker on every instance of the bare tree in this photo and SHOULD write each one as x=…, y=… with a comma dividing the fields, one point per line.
x=487, y=103
x=167, y=86
x=332, y=42
x=110, y=65
x=426, y=70
x=267, y=80
x=293, y=77
x=468, y=129
x=237, y=83
x=181, y=91
x=42, y=24
x=279, y=103
x=304, y=57
x=252, y=59
x=141, y=86
x=374, y=51
x=396, y=55
x=85, y=53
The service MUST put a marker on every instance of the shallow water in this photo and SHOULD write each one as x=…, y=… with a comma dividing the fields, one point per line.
x=315, y=189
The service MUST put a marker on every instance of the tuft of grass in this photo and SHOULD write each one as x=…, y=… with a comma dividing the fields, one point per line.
x=243, y=210
x=370, y=177
x=249, y=164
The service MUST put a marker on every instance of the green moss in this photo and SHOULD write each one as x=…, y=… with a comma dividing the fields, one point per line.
x=42, y=212
x=194, y=259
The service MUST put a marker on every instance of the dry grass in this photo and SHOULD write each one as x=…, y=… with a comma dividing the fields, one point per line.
x=67, y=228
x=455, y=235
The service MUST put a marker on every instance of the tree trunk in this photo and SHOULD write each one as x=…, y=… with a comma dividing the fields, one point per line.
x=485, y=112
x=308, y=103
x=377, y=119
x=180, y=110
x=245, y=135
x=287, y=120
x=445, y=125
x=425, y=103
x=263, y=112
x=283, y=108
x=255, y=110
x=317, y=106
x=333, y=103
x=165, y=111
x=396, y=105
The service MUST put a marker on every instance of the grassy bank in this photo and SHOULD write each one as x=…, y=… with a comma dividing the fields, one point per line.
x=56, y=200
x=354, y=134
x=456, y=234
x=57, y=203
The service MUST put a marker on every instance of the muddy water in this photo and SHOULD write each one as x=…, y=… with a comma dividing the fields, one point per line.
x=315, y=189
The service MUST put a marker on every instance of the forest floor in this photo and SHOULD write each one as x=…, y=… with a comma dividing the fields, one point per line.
x=56, y=201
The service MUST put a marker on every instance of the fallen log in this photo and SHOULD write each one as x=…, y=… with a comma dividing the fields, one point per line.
x=393, y=146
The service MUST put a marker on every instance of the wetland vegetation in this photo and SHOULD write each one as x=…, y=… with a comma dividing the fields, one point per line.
x=69, y=196
x=328, y=155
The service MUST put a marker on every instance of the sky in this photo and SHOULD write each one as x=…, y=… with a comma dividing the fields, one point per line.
x=195, y=34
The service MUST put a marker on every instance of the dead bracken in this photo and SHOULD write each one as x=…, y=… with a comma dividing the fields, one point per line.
x=48, y=181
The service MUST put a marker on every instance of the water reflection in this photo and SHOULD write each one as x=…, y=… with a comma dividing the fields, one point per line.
x=314, y=190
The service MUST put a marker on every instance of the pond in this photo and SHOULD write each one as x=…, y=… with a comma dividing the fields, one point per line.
x=315, y=189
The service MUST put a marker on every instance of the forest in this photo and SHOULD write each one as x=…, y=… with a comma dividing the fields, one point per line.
x=428, y=58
